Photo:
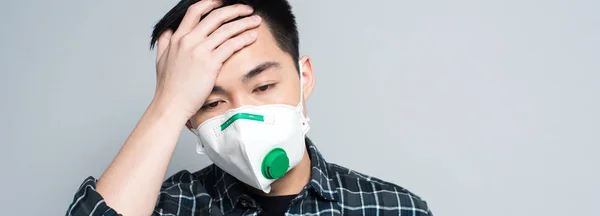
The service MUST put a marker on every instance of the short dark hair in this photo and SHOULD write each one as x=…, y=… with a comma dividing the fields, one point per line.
x=276, y=13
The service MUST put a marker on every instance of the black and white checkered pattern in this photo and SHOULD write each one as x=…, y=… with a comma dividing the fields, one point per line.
x=333, y=190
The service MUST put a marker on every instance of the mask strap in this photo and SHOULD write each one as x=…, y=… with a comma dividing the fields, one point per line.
x=304, y=120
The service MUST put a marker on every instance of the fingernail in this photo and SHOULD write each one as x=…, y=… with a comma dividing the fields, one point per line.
x=256, y=17
x=253, y=34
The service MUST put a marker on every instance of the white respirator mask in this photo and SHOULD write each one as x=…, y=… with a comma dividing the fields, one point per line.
x=256, y=144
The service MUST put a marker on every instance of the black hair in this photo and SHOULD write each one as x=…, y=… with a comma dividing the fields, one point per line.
x=276, y=13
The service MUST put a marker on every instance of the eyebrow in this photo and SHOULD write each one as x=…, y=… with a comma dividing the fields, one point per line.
x=251, y=74
x=217, y=89
x=259, y=69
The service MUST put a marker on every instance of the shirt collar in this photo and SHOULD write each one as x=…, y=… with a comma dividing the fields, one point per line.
x=230, y=190
x=320, y=182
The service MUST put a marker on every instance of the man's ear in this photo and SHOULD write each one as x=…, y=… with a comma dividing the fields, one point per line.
x=308, y=77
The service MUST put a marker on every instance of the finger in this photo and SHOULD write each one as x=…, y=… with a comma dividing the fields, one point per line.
x=223, y=52
x=219, y=16
x=193, y=14
x=231, y=29
x=163, y=43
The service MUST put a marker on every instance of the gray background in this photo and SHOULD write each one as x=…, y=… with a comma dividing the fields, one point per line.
x=480, y=107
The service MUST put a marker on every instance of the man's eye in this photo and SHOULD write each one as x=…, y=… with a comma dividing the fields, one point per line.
x=264, y=88
x=211, y=105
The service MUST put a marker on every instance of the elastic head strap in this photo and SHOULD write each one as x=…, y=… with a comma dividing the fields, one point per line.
x=300, y=108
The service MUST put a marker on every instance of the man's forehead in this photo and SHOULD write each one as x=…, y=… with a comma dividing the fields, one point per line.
x=264, y=49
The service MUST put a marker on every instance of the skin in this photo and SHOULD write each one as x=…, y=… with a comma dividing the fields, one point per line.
x=190, y=63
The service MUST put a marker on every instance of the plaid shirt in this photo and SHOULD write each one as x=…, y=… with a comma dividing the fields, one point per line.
x=332, y=190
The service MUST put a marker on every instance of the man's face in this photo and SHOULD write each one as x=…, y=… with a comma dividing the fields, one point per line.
x=258, y=74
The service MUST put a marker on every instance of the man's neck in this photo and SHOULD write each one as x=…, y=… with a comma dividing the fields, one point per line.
x=294, y=181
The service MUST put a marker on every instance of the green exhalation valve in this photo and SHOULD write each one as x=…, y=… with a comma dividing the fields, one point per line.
x=275, y=164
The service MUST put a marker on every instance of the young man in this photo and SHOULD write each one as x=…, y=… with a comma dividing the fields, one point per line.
x=231, y=73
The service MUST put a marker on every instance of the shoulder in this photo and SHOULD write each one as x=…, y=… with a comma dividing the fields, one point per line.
x=187, y=177
x=184, y=190
x=361, y=192
x=183, y=184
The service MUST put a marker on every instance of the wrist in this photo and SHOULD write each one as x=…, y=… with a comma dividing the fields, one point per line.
x=168, y=110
